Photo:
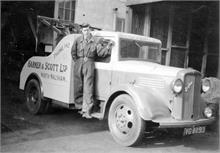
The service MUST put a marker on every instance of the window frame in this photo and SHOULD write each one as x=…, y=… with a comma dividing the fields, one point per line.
x=136, y=59
x=65, y=10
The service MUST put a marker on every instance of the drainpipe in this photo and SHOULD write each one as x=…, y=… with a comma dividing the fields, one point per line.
x=128, y=20
x=147, y=21
x=115, y=10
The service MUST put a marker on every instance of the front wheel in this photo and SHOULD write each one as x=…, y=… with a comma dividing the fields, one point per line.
x=34, y=102
x=125, y=124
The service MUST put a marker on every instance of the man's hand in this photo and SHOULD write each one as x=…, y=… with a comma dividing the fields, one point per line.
x=110, y=44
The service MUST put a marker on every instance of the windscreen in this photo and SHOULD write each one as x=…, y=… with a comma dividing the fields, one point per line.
x=139, y=50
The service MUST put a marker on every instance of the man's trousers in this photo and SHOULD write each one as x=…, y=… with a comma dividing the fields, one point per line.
x=84, y=83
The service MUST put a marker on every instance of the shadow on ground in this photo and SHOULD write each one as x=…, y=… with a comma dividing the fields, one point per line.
x=58, y=122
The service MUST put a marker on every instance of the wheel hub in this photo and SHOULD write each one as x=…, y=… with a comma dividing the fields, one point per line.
x=33, y=96
x=33, y=99
x=124, y=119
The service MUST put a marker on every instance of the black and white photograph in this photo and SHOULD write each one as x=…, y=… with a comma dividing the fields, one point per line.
x=110, y=76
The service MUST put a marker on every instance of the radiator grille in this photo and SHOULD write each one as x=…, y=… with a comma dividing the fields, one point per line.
x=191, y=96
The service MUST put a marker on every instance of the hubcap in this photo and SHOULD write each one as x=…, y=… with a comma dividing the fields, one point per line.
x=33, y=97
x=124, y=119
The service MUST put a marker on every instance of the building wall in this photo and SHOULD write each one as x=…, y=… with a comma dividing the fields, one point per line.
x=189, y=32
x=100, y=13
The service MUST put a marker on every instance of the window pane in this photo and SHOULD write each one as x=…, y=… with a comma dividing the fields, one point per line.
x=60, y=14
x=152, y=53
x=195, y=60
x=180, y=25
x=177, y=57
x=67, y=14
x=159, y=22
x=73, y=5
x=61, y=4
x=129, y=49
x=138, y=20
x=73, y=16
x=139, y=50
x=120, y=24
x=212, y=64
x=67, y=4
x=163, y=57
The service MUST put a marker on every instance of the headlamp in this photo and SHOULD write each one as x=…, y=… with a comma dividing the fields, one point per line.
x=208, y=112
x=206, y=85
x=178, y=86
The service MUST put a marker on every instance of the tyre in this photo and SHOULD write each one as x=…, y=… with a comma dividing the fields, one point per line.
x=125, y=124
x=34, y=102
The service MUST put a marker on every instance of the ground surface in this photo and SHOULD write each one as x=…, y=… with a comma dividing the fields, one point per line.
x=63, y=130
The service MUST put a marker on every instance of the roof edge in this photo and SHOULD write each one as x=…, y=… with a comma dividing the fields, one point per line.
x=137, y=2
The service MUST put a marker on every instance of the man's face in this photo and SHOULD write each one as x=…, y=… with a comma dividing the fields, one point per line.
x=86, y=31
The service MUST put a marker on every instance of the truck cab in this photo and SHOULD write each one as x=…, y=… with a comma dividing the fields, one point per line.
x=132, y=88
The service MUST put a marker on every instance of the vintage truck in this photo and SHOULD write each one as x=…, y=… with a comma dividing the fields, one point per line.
x=134, y=91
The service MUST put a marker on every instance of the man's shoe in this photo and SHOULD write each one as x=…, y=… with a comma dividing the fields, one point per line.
x=81, y=112
x=86, y=115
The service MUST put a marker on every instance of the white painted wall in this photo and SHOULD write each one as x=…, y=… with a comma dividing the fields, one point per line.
x=99, y=13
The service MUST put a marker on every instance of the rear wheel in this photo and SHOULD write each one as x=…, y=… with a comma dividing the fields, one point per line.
x=34, y=102
x=125, y=124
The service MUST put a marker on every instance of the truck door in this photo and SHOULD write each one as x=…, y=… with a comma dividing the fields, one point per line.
x=103, y=71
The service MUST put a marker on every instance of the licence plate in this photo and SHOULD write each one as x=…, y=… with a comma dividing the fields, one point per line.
x=194, y=130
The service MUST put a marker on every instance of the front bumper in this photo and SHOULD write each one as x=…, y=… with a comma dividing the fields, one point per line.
x=172, y=123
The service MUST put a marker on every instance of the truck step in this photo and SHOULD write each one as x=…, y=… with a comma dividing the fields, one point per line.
x=97, y=115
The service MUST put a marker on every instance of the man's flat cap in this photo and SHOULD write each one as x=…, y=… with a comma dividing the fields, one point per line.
x=85, y=25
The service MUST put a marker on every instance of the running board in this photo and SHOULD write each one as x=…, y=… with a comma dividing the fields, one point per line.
x=65, y=105
x=97, y=115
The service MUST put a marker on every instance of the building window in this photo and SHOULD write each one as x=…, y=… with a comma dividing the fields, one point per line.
x=120, y=24
x=138, y=20
x=67, y=10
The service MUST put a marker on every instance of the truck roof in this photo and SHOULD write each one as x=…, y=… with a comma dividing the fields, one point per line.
x=125, y=35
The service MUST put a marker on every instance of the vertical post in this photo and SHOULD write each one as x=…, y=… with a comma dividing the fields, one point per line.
x=114, y=18
x=128, y=20
x=169, y=36
x=218, y=72
x=147, y=24
x=56, y=11
x=147, y=20
x=36, y=40
x=205, y=49
x=186, y=60
x=204, y=58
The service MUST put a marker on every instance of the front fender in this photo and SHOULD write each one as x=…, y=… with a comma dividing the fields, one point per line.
x=149, y=102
